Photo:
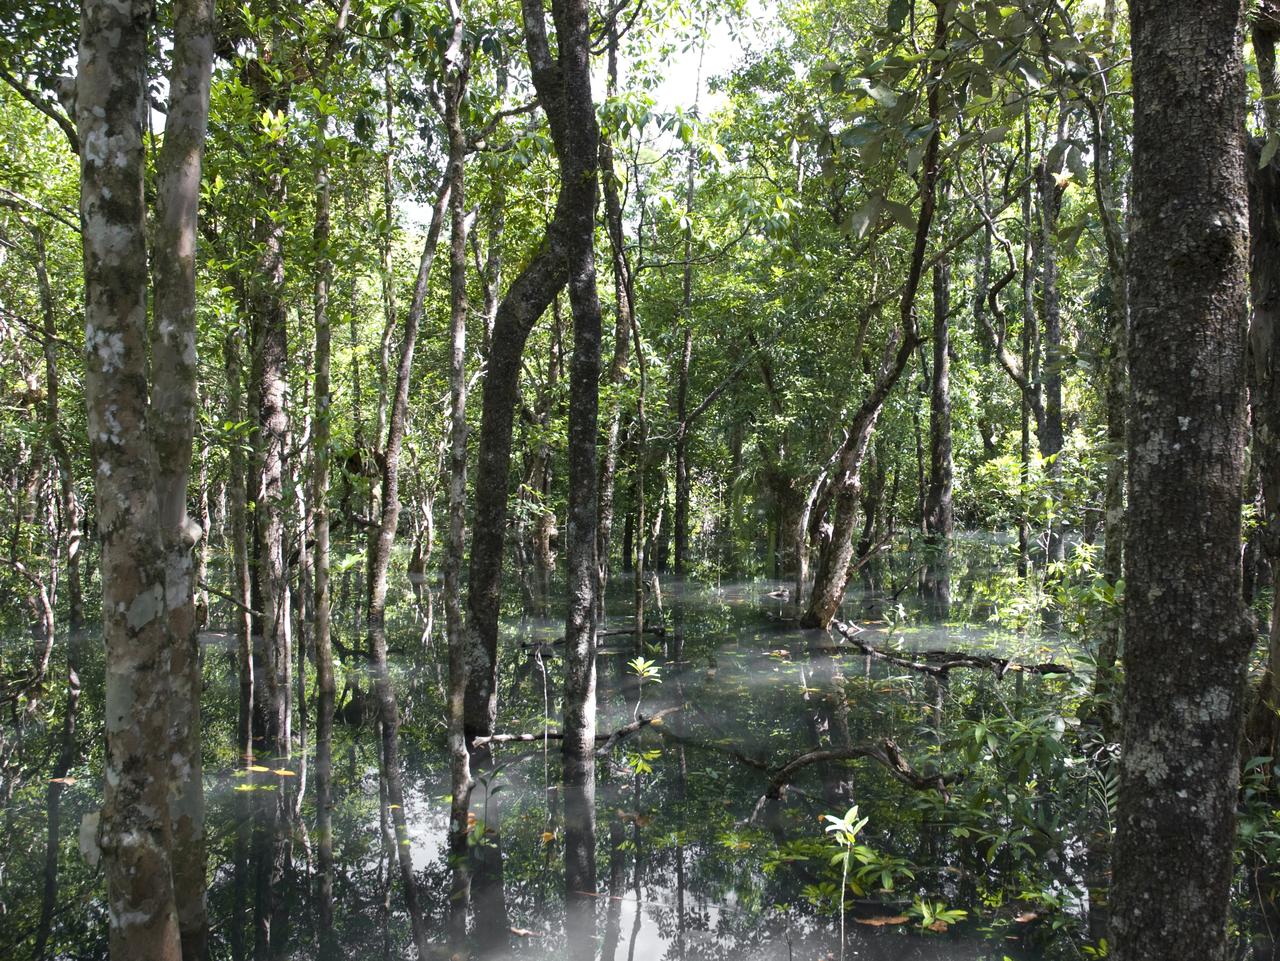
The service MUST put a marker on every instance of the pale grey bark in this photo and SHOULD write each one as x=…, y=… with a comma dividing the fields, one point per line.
x=151, y=829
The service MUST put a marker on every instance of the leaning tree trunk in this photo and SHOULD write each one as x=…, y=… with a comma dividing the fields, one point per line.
x=1187, y=633
x=578, y=148
x=832, y=574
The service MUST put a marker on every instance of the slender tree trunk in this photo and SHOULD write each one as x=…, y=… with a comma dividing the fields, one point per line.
x=173, y=405
x=623, y=294
x=579, y=156
x=326, y=688
x=526, y=300
x=457, y=64
x=241, y=577
x=1187, y=633
x=70, y=514
x=832, y=574
x=1051, y=432
x=938, y=519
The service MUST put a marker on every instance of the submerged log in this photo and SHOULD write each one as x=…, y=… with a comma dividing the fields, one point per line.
x=606, y=740
x=934, y=663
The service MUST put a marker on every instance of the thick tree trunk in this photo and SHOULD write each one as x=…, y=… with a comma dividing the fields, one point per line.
x=1187, y=634
x=151, y=827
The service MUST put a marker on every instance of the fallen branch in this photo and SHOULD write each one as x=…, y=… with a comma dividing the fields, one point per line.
x=934, y=663
x=628, y=729
x=607, y=740
x=887, y=753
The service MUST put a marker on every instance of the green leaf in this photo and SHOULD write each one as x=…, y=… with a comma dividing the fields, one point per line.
x=1269, y=151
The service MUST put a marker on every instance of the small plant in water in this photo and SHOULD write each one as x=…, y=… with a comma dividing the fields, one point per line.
x=645, y=670
x=844, y=831
x=936, y=916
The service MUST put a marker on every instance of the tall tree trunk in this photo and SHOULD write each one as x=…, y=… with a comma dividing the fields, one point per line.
x=1187, y=633
x=938, y=520
x=526, y=300
x=173, y=405
x=623, y=295
x=579, y=152
x=238, y=511
x=457, y=65
x=326, y=688
x=1264, y=368
x=1051, y=433
x=151, y=826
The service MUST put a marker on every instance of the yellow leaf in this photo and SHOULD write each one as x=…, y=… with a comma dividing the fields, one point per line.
x=284, y=773
x=258, y=769
x=548, y=837
x=939, y=926
x=1062, y=179
x=62, y=780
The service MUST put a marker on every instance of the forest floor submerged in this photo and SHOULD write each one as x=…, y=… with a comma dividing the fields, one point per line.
x=692, y=861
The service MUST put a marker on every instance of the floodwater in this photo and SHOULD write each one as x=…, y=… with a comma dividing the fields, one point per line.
x=690, y=863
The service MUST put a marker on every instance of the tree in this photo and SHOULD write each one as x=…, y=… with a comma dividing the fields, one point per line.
x=141, y=420
x=1187, y=635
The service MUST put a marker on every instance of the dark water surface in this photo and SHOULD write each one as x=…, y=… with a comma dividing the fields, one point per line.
x=684, y=871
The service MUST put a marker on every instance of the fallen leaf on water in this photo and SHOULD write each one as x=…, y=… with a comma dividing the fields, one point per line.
x=524, y=933
x=882, y=922
x=245, y=787
x=258, y=769
x=284, y=773
x=548, y=837
x=62, y=780
x=939, y=926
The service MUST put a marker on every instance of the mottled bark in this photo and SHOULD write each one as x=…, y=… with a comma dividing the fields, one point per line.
x=457, y=66
x=141, y=445
x=173, y=407
x=1187, y=634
